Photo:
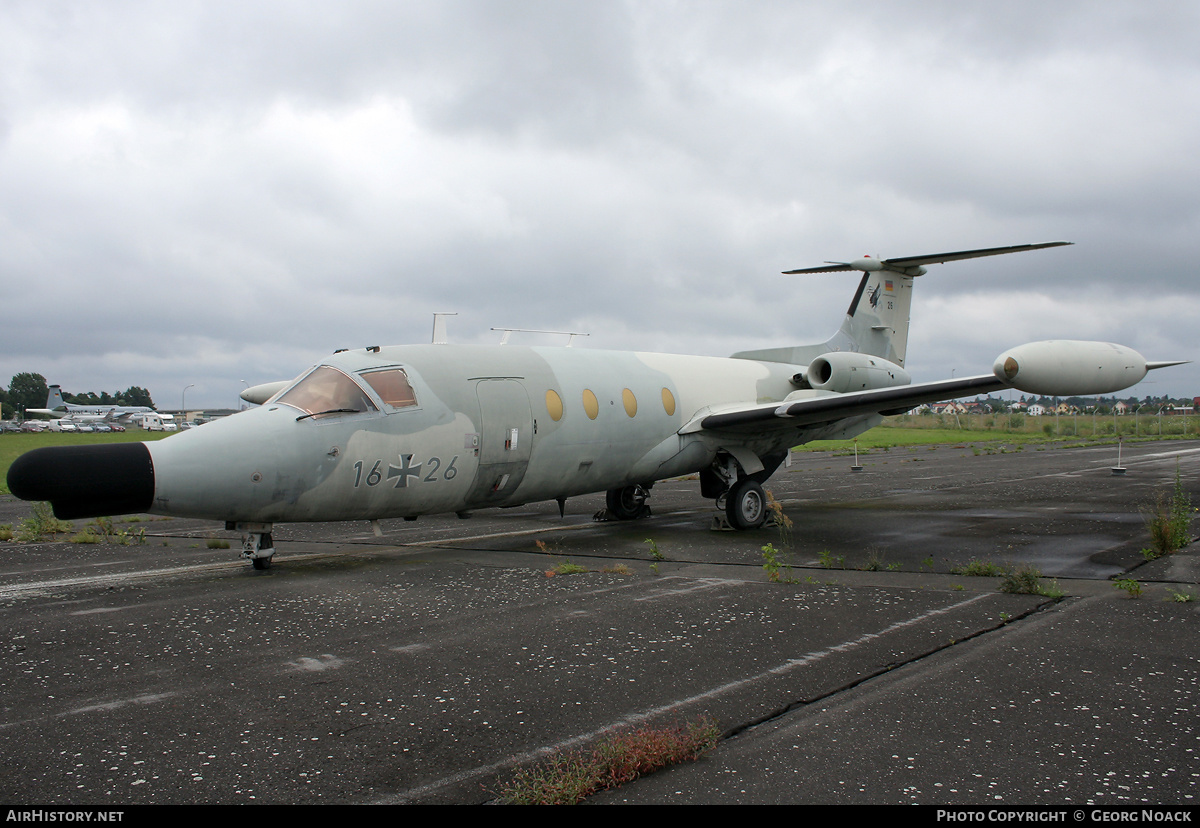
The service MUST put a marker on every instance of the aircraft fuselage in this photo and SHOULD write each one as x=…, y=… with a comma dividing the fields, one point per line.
x=490, y=427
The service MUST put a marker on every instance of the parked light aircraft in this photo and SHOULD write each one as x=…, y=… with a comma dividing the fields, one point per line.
x=55, y=404
x=403, y=431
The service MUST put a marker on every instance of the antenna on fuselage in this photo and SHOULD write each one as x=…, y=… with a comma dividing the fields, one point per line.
x=439, y=327
x=508, y=332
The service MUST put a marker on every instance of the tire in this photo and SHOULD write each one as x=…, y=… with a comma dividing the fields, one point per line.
x=746, y=505
x=626, y=503
x=261, y=563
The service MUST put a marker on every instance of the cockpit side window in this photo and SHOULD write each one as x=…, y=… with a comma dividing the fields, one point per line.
x=392, y=386
x=327, y=392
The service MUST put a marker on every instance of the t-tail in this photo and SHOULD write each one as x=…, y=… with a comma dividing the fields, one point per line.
x=54, y=400
x=876, y=322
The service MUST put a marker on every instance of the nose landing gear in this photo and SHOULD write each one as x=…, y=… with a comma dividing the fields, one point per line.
x=257, y=544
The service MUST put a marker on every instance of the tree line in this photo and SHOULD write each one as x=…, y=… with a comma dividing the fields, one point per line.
x=28, y=390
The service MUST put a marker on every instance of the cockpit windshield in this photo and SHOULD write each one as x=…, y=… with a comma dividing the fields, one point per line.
x=327, y=392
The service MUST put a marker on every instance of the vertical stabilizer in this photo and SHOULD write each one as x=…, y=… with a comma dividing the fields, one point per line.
x=876, y=322
x=55, y=401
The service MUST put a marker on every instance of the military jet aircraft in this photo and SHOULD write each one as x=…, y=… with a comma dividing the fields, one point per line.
x=385, y=432
x=55, y=404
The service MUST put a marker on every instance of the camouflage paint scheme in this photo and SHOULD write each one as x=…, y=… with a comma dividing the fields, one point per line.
x=481, y=426
x=451, y=452
x=265, y=466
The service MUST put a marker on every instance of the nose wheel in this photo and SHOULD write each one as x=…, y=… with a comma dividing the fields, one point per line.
x=257, y=544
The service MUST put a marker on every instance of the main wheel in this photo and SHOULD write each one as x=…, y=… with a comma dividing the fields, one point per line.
x=746, y=504
x=626, y=503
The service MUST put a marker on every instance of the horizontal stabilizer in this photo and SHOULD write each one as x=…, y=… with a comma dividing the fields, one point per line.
x=911, y=264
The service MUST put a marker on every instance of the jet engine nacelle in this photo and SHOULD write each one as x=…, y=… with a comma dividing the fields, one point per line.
x=843, y=371
x=1067, y=368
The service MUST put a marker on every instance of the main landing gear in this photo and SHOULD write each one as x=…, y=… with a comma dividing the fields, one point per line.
x=740, y=495
x=627, y=502
x=746, y=504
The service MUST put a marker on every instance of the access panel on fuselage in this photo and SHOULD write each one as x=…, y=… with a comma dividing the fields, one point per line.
x=506, y=438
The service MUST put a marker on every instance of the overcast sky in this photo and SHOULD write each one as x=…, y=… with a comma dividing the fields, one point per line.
x=201, y=193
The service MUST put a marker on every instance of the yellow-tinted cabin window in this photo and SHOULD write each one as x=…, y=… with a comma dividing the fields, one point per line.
x=630, y=402
x=554, y=405
x=668, y=402
x=590, y=404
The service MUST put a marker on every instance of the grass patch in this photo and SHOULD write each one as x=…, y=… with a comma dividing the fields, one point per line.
x=892, y=436
x=13, y=446
x=993, y=430
x=217, y=543
x=567, y=779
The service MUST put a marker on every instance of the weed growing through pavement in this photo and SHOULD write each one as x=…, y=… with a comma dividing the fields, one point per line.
x=1169, y=521
x=830, y=561
x=41, y=523
x=981, y=569
x=655, y=552
x=568, y=778
x=777, y=518
x=874, y=562
x=1131, y=586
x=1027, y=580
x=106, y=529
x=777, y=570
x=565, y=568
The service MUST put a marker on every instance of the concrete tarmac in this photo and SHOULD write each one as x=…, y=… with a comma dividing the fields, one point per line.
x=425, y=665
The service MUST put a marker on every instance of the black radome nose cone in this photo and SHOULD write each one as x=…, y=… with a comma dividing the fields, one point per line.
x=86, y=481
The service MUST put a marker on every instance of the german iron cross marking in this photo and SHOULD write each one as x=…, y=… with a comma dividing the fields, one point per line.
x=404, y=471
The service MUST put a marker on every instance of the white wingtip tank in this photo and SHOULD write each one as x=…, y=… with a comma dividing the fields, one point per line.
x=1067, y=368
